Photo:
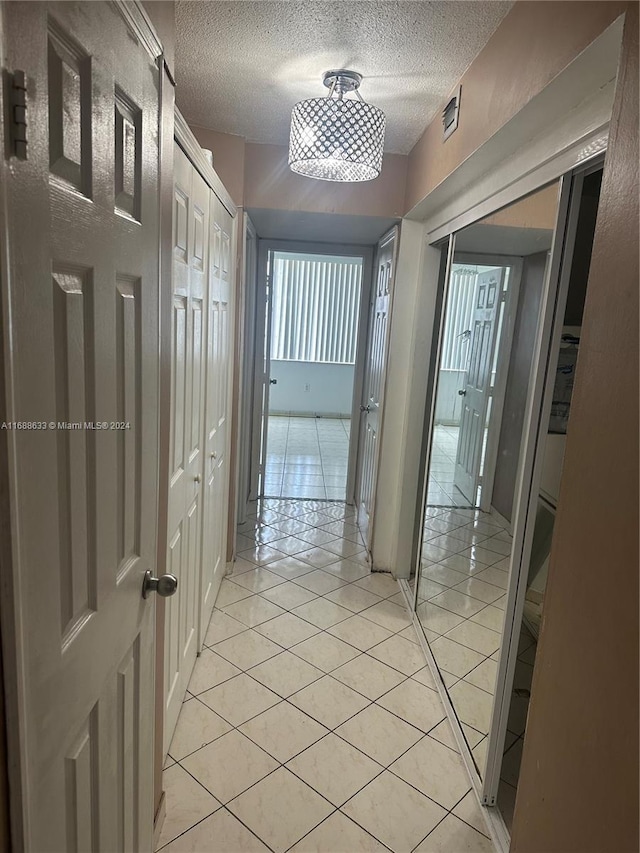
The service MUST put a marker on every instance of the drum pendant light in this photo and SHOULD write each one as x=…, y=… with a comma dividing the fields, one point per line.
x=337, y=138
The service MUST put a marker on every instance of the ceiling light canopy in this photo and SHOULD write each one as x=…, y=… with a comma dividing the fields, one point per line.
x=337, y=138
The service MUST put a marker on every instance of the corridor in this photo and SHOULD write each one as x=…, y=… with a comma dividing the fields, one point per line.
x=311, y=722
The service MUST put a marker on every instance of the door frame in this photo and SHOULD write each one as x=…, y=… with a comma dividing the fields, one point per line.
x=261, y=401
x=504, y=344
x=245, y=350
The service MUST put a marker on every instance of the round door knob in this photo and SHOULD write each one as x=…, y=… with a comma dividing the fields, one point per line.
x=165, y=585
x=462, y=392
x=197, y=478
x=365, y=408
x=214, y=455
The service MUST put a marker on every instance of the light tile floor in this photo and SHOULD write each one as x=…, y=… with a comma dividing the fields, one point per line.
x=312, y=723
x=307, y=458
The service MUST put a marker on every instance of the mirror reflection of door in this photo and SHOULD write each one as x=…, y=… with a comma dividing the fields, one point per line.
x=474, y=358
x=488, y=293
x=492, y=309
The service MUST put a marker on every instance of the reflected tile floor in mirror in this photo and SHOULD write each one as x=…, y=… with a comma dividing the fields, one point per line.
x=441, y=490
x=312, y=723
x=461, y=602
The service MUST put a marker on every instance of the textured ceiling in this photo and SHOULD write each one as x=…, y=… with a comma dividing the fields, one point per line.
x=241, y=66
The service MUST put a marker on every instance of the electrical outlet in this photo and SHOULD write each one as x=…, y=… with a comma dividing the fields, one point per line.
x=307, y=387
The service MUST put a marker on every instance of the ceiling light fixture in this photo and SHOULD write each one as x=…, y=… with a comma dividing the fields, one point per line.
x=336, y=138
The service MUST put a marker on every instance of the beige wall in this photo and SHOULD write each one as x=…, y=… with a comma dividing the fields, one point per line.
x=533, y=44
x=578, y=790
x=258, y=175
x=228, y=158
x=538, y=210
x=270, y=183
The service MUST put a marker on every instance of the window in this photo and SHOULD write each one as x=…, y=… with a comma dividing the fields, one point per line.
x=315, y=308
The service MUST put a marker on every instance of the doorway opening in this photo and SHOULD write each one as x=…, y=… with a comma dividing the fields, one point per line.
x=311, y=345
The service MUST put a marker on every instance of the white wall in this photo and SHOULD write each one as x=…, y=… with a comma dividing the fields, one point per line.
x=310, y=388
x=398, y=485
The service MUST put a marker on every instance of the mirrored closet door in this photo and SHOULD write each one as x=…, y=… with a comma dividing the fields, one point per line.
x=489, y=331
x=498, y=405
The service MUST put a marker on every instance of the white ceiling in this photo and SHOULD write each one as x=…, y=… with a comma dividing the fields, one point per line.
x=241, y=66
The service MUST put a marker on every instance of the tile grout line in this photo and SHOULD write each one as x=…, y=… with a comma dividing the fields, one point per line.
x=290, y=647
x=283, y=764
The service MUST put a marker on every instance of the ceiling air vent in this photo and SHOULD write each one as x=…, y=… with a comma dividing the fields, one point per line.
x=450, y=114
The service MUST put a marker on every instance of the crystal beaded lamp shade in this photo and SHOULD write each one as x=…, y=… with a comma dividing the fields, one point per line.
x=337, y=138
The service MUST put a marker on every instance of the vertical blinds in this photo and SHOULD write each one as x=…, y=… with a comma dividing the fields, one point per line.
x=315, y=307
x=462, y=294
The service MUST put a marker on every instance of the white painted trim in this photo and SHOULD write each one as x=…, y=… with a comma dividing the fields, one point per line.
x=493, y=819
x=247, y=287
x=234, y=284
x=587, y=148
x=260, y=404
x=135, y=16
x=191, y=147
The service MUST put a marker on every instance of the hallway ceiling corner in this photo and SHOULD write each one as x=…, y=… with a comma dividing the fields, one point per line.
x=241, y=66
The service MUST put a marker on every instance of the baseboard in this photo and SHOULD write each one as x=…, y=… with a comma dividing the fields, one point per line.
x=319, y=415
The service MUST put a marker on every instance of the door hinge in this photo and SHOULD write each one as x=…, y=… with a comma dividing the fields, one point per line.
x=16, y=91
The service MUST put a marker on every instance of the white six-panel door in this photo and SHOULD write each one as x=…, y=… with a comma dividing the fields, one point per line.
x=188, y=368
x=375, y=369
x=80, y=328
x=216, y=425
x=477, y=384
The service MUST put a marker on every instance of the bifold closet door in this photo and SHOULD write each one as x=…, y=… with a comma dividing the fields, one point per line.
x=216, y=437
x=188, y=367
